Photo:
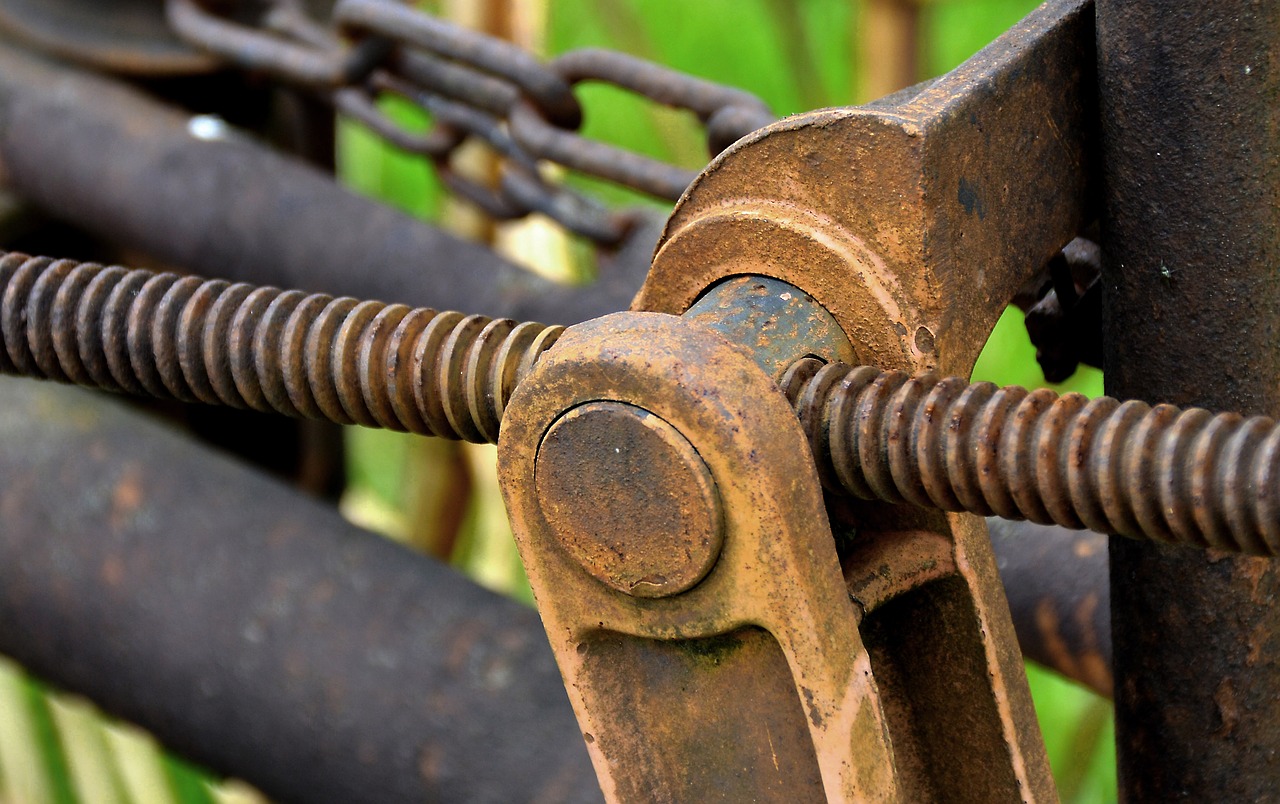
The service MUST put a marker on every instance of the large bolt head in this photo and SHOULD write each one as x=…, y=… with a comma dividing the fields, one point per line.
x=629, y=498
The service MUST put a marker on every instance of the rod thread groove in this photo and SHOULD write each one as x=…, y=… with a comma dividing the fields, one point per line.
x=369, y=363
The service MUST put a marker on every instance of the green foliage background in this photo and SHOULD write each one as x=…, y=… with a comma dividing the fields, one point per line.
x=797, y=56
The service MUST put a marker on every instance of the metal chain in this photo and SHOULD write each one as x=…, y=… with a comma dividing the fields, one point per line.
x=474, y=86
x=1160, y=473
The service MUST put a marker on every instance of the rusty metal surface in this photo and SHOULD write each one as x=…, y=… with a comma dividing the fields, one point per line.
x=473, y=85
x=229, y=208
x=902, y=222
x=668, y=488
x=774, y=320
x=255, y=631
x=902, y=218
x=314, y=356
x=123, y=36
x=309, y=66
x=697, y=693
x=1158, y=473
x=1192, y=309
x=687, y=585
x=932, y=689
x=1059, y=597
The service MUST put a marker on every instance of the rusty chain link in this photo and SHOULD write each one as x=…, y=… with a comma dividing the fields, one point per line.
x=1160, y=473
x=473, y=86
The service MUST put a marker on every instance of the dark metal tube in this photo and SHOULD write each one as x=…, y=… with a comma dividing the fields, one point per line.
x=253, y=630
x=95, y=152
x=1056, y=583
x=1192, y=312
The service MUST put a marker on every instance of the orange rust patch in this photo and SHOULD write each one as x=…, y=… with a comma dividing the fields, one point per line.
x=1228, y=708
x=1084, y=548
x=113, y=572
x=430, y=762
x=126, y=498
x=1094, y=670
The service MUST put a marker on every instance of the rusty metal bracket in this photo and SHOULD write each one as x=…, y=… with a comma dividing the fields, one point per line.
x=662, y=676
x=665, y=503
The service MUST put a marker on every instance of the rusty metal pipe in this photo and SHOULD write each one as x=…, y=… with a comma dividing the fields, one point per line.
x=103, y=156
x=1192, y=308
x=253, y=630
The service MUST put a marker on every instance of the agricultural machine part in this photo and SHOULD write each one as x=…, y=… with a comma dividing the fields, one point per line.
x=874, y=640
x=229, y=207
x=873, y=435
x=262, y=714
x=714, y=643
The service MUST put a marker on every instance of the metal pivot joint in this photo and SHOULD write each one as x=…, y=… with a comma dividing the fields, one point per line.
x=697, y=561
x=674, y=608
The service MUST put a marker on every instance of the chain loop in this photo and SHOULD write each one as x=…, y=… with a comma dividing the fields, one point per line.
x=472, y=85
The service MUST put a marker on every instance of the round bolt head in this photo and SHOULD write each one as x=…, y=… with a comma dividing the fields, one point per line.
x=630, y=499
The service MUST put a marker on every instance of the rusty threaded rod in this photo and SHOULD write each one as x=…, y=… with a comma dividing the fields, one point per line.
x=352, y=362
x=1159, y=473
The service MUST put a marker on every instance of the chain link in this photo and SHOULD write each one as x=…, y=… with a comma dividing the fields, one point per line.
x=473, y=86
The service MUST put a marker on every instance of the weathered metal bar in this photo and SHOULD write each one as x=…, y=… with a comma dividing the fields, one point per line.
x=1192, y=311
x=1056, y=583
x=253, y=630
x=1159, y=473
x=314, y=356
x=105, y=157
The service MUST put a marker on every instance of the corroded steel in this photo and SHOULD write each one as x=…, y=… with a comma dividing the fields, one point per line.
x=875, y=214
x=1158, y=473
x=443, y=374
x=631, y=455
x=474, y=85
x=254, y=630
x=1192, y=309
x=917, y=228
x=709, y=694
x=722, y=637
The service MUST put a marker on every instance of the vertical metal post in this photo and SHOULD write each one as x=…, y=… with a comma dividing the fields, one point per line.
x=1192, y=176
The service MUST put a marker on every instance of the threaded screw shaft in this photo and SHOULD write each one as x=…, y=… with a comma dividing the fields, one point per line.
x=1160, y=473
x=316, y=356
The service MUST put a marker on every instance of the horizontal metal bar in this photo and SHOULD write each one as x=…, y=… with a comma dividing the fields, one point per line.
x=252, y=629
